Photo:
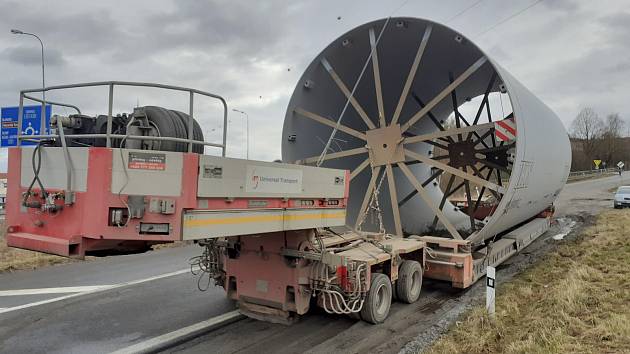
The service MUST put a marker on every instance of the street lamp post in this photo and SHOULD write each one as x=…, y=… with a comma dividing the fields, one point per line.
x=247, y=129
x=42, y=128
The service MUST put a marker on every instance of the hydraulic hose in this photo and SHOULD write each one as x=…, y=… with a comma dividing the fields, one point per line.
x=36, y=168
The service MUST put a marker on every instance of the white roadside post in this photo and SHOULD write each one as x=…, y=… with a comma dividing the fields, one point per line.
x=490, y=284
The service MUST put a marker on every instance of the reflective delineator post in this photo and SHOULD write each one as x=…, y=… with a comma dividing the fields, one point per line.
x=490, y=290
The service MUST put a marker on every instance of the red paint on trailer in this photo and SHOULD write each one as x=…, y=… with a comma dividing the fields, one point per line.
x=83, y=226
x=262, y=276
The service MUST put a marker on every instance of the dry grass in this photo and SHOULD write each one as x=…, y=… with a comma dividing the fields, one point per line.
x=596, y=176
x=576, y=300
x=175, y=244
x=15, y=259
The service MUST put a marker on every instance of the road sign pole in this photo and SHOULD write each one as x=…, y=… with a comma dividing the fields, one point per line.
x=490, y=290
x=19, y=120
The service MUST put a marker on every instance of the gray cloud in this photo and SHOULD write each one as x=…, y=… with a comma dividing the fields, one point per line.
x=88, y=32
x=567, y=6
x=29, y=56
x=570, y=53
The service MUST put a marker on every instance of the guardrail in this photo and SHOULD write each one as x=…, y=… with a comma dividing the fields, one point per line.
x=591, y=173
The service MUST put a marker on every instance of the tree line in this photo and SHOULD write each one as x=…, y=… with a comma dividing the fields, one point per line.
x=596, y=138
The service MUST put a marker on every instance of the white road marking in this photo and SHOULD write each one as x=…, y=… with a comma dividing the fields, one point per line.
x=63, y=290
x=103, y=288
x=161, y=342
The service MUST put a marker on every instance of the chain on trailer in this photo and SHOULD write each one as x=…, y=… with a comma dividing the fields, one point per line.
x=375, y=208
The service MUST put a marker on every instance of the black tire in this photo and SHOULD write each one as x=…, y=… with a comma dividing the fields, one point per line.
x=100, y=127
x=378, y=300
x=409, y=283
x=197, y=132
x=169, y=125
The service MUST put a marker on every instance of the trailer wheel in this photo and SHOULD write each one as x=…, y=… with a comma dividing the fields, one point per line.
x=379, y=299
x=197, y=132
x=409, y=281
x=168, y=125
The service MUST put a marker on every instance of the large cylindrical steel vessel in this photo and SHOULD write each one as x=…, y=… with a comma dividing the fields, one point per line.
x=437, y=135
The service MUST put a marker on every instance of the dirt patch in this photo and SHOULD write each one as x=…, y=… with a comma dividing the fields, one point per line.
x=574, y=300
x=12, y=259
x=175, y=244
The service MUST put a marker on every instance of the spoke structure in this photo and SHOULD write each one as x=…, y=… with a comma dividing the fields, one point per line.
x=335, y=155
x=412, y=74
x=347, y=93
x=437, y=99
x=330, y=123
x=394, y=199
x=466, y=150
x=377, y=79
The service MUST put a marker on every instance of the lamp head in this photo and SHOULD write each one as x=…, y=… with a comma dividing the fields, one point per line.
x=15, y=31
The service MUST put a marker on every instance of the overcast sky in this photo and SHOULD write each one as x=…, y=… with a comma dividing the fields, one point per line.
x=570, y=53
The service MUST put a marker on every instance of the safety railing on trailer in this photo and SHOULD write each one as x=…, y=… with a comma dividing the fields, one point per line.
x=108, y=135
x=69, y=196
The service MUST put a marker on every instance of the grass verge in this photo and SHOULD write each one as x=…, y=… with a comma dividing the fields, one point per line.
x=576, y=300
x=594, y=176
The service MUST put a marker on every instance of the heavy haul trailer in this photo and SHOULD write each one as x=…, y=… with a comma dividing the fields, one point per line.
x=265, y=227
x=401, y=168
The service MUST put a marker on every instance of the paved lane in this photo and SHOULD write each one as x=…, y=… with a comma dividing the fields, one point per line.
x=113, y=319
x=107, y=320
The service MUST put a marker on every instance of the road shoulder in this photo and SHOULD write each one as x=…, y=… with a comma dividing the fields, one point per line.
x=574, y=300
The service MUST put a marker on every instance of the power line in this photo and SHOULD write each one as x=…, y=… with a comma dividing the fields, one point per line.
x=463, y=11
x=402, y=4
x=508, y=18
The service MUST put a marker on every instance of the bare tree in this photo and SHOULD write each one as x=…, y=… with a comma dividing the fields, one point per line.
x=587, y=127
x=611, y=137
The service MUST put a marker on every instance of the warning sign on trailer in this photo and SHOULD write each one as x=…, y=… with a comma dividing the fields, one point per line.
x=505, y=130
x=146, y=161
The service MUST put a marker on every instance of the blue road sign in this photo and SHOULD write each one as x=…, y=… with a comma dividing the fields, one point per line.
x=31, y=122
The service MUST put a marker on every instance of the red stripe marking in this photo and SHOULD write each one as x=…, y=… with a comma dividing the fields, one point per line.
x=500, y=136
x=511, y=122
x=507, y=127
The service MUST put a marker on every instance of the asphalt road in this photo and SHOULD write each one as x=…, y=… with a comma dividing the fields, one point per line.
x=114, y=302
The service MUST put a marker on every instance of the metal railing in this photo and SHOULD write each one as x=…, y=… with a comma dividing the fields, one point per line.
x=590, y=173
x=108, y=135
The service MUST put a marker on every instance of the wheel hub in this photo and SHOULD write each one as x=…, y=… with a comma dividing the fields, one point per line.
x=384, y=145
